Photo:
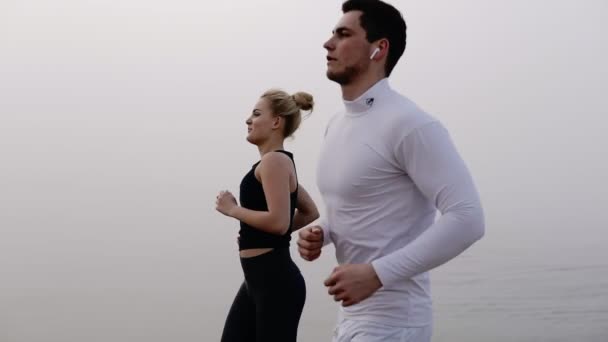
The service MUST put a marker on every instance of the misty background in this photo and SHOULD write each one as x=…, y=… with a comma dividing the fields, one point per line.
x=121, y=120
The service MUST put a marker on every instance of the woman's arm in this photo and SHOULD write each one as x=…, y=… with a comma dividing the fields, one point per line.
x=306, y=210
x=274, y=170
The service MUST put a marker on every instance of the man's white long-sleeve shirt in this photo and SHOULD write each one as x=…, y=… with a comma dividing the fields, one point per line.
x=385, y=169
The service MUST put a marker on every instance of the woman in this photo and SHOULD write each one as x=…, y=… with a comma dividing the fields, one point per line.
x=269, y=303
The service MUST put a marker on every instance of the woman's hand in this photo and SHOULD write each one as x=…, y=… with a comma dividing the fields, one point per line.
x=225, y=203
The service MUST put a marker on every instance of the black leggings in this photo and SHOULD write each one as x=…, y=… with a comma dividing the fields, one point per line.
x=269, y=303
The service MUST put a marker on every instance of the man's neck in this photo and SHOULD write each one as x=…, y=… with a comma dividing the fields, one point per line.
x=360, y=85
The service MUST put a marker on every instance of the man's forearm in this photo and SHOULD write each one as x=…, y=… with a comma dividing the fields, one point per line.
x=448, y=237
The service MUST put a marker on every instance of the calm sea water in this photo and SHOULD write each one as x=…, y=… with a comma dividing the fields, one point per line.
x=73, y=287
x=524, y=295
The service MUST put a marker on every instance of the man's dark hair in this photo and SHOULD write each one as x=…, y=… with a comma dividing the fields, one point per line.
x=381, y=20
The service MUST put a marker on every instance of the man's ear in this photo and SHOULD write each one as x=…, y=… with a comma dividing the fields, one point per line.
x=381, y=50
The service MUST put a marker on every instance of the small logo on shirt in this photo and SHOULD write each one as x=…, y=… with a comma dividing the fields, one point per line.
x=369, y=101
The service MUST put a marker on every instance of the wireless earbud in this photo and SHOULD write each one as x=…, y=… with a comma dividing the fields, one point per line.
x=374, y=53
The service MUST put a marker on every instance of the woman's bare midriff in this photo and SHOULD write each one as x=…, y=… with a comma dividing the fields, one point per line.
x=250, y=253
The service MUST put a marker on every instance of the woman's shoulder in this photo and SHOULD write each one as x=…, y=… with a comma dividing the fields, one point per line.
x=274, y=164
x=279, y=158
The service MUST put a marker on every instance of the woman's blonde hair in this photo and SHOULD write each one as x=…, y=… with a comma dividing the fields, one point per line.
x=289, y=107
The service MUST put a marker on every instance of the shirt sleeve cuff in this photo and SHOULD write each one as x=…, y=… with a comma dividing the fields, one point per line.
x=387, y=275
x=326, y=236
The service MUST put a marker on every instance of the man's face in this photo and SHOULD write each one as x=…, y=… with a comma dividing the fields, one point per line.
x=347, y=50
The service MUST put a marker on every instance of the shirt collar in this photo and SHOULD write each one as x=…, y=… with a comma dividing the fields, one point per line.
x=368, y=99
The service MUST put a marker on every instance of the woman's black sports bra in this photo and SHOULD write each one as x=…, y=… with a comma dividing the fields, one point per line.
x=252, y=197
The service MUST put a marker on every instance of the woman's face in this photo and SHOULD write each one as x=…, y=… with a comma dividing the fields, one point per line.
x=262, y=123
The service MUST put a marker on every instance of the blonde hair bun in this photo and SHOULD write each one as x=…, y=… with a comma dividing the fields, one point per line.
x=304, y=100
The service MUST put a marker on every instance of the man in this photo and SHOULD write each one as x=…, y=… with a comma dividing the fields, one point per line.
x=385, y=169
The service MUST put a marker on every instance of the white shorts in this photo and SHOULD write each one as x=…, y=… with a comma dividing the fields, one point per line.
x=365, y=331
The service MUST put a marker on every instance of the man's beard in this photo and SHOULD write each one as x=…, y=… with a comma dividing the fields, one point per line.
x=345, y=77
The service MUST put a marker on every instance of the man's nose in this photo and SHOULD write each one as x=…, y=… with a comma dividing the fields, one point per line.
x=328, y=45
